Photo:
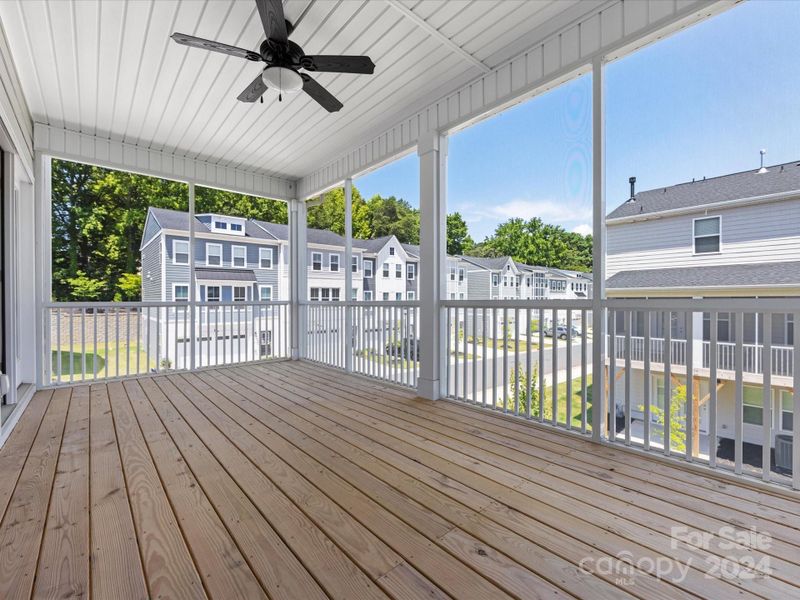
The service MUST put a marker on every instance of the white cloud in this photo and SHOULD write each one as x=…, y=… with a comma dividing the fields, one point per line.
x=583, y=229
x=549, y=211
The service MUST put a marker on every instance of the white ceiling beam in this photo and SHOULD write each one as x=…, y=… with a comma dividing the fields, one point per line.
x=420, y=22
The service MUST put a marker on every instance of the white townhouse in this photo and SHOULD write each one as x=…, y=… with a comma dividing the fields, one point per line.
x=737, y=235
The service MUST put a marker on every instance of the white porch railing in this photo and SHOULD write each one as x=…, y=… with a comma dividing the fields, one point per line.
x=527, y=358
x=384, y=338
x=106, y=340
x=726, y=405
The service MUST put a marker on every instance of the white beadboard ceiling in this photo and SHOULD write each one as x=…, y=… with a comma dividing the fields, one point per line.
x=109, y=69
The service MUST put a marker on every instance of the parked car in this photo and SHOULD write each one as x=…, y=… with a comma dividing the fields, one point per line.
x=407, y=348
x=562, y=332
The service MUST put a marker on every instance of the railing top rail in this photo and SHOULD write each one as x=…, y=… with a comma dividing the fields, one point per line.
x=755, y=305
x=534, y=304
x=158, y=304
x=409, y=303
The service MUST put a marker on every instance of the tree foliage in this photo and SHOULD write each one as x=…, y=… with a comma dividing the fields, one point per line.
x=535, y=242
x=458, y=238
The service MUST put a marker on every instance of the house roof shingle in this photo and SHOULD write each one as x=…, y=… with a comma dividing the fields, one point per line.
x=778, y=179
x=758, y=274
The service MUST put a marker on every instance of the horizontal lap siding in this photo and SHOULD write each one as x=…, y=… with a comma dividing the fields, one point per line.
x=750, y=234
x=613, y=28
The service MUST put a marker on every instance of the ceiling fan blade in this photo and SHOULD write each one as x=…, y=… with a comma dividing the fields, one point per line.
x=331, y=63
x=271, y=12
x=196, y=42
x=320, y=94
x=254, y=91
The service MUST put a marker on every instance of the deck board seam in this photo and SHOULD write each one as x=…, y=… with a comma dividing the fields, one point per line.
x=367, y=415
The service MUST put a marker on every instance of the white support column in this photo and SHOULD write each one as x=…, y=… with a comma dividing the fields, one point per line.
x=348, y=274
x=44, y=281
x=432, y=150
x=599, y=409
x=298, y=286
x=192, y=284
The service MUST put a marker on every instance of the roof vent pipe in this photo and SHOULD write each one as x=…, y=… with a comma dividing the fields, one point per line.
x=763, y=169
x=632, y=181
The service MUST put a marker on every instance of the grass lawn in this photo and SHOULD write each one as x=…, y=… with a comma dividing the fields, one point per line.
x=106, y=364
x=384, y=358
x=562, y=401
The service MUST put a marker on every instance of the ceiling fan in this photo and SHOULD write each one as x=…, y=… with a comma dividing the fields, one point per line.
x=284, y=58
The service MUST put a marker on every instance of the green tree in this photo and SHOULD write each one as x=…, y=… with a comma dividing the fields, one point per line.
x=458, y=238
x=523, y=400
x=393, y=216
x=677, y=420
x=129, y=287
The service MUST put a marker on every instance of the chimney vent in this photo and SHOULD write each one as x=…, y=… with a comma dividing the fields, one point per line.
x=763, y=169
x=632, y=181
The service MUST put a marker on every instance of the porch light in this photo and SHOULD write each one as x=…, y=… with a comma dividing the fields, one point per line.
x=285, y=81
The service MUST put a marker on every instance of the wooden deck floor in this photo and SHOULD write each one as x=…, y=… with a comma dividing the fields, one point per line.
x=292, y=481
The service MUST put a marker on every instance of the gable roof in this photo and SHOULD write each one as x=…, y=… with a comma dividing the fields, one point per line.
x=492, y=264
x=778, y=179
x=742, y=275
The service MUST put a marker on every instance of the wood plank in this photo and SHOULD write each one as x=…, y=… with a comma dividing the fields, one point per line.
x=63, y=570
x=335, y=571
x=451, y=575
x=117, y=570
x=526, y=553
x=15, y=451
x=694, y=579
x=168, y=565
x=277, y=568
x=224, y=571
x=22, y=527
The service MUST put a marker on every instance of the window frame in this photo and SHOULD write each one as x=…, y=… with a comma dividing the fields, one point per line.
x=233, y=257
x=411, y=271
x=233, y=293
x=411, y=295
x=331, y=256
x=391, y=251
x=210, y=245
x=175, y=287
x=717, y=235
x=314, y=262
x=398, y=270
x=495, y=279
x=219, y=293
x=261, y=288
x=175, y=252
x=367, y=295
x=385, y=296
x=757, y=408
x=271, y=253
x=462, y=274
x=385, y=270
x=354, y=264
x=221, y=225
x=782, y=412
x=311, y=295
x=368, y=272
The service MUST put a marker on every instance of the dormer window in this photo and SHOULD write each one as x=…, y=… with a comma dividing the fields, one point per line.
x=220, y=225
x=236, y=227
x=707, y=235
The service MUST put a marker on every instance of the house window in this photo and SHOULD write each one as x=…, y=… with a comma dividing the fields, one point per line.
x=181, y=293
x=315, y=294
x=398, y=296
x=354, y=294
x=368, y=268
x=316, y=261
x=239, y=254
x=391, y=251
x=386, y=269
x=411, y=295
x=212, y=293
x=385, y=295
x=411, y=271
x=707, y=235
x=334, y=262
x=452, y=273
x=180, y=252
x=753, y=407
x=495, y=279
x=326, y=294
x=335, y=294
x=265, y=258
x=236, y=227
x=265, y=293
x=354, y=264
x=452, y=295
x=787, y=409
x=461, y=295
x=239, y=293
x=558, y=285
x=367, y=295
x=220, y=225
x=461, y=274
x=528, y=281
x=398, y=271
x=213, y=255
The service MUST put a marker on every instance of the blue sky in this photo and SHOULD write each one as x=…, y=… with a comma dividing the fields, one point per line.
x=703, y=102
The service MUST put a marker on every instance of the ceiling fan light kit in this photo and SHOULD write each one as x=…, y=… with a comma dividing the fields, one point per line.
x=284, y=59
